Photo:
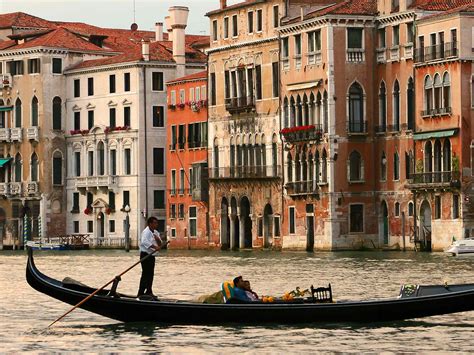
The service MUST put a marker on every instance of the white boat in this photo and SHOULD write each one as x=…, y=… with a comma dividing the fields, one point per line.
x=38, y=245
x=462, y=246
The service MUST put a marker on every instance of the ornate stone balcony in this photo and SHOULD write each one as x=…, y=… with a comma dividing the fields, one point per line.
x=395, y=54
x=16, y=134
x=245, y=173
x=5, y=134
x=302, y=188
x=240, y=104
x=4, y=188
x=91, y=182
x=434, y=180
x=32, y=187
x=16, y=188
x=32, y=134
x=302, y=133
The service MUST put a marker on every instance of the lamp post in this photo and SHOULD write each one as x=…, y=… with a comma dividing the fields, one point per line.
x=127, y=228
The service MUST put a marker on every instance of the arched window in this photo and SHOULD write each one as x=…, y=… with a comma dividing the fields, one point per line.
x=447, y=155
x=397, y=209
x=355, y=166
x=312, y=106
x=324, y=167
x=216, y=157
x=18, y=168
x=383, y=167
x=289, y=167
x=299, y=111
x=34, y=167
x=57, y=168
x=410, y=103
x=428, y=166
x=18, y=114
x=286, y=113
x=306, y=119
x=396, y=166
x=292, y=112
x=57, y=113
x=275, y=158
x=319, y=109
x=325, y=112
x=311, y=184
x=356, y=109
x=410, y=209
x=304, y=168
x=383, y=107
x=428, y=95
x=446, y=93
x=438, y=85
x=396, y=106
x=100, y=159
x=317, y=164
x=297, y=168
x=34, y=112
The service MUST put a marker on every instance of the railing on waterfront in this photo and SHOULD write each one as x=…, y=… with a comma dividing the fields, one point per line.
x=435, y=178
x=246, y=172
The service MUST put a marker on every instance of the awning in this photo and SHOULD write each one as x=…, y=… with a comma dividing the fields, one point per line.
x=6, y=108
x=436, y=134
x=304, y=86
x=3, y=161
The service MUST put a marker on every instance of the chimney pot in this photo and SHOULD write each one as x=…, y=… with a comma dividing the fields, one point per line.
x=223, y=4
x=159, y=31
x=146, y=50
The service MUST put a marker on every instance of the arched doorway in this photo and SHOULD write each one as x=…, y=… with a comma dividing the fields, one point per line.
x=225, y=225
x=384, y=223
x=100, y=226
x=425, y=225
x=267, y=226
x=245, y=223
x=235, y=226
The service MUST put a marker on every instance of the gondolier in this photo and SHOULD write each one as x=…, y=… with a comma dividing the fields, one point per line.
x=149, y=244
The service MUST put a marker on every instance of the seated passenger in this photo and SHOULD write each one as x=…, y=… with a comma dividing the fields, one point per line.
x=251, y=294
x=239, y=290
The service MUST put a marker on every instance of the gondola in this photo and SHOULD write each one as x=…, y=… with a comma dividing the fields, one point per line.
x=413, y=302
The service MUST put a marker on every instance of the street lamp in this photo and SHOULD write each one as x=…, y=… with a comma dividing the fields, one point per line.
x=127, y=228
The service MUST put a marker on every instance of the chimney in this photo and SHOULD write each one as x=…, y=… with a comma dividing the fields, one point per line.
x=146, y=50
x=178, y=22
x=159, y=31
x=168, y=26
x=223, y=4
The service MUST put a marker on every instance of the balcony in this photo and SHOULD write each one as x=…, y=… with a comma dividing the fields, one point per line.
x=5, y=134
x=381, y=55
x=16, y=188
x=380, y=129
x=32, y=188
x=395, y=54
x=4, y=188
x=408, y=51
x=434, y=180
x=437, y=52
x=88, y=182
x=302, y=188
x=302, y=133
x=32, y=134
x=355, y=128
x=200, y=194
x=245, y=173
x=393, y=127
x=5, y=81
x=441, y=111
x=240, y=104
x=355, y=55
x=16, y=134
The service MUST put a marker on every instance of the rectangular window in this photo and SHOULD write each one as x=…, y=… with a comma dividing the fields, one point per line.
x=356, y=222
x=173, y=97
x=191, y=181
x=455, y=206
x=77, y=160
x=235, y=29
x=77, y=88
x=181, y=136
x=250, y=21
x=182, y=96
x=192, y=221
x=173, y=138
x=276, y=79
x=260, y=227
x=90, y=156
x=259, y=20
x=57, y=171
x=191, y=94
x=213, y=89
x=89, y=200
x=173, y=233
x=214, y=30
x=111, y=226
x=128, y=161
x=410, y=33
x=285, y=48
x=198, y=94
x=396, y=35
x=276, y=16
x=258, y=81
x=158, y=199
x=276, y=226
x=90, y=226
x=298, y=45
x=113, y=162
x=57, y=66
x=34, y=66
x=181, y=211
x=90, y=119
x=158, y=161
x=354, y=38
x=291, y=220
x=181, y=181
x=112, y=117
x=125, y=199
x=226, y=27
x=112, y=84
x=112, y=200
x=75, y=227
x=126, y=82
x=437, y=214
x=16, y=67
x=157, y=81
x=173, y=182
x=126, y=116
x=77, y=120
x=75, y=202
x=90, y=86
x=381, y=38
x=172, y=211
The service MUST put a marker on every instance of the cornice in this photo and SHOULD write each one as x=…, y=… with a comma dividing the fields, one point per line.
x=241, y=45
x=116, y=66
x=49, y=50
x=327, y=20
x=396, y=17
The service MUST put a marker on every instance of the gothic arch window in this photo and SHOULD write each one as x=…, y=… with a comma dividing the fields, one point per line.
x=317, y=167
x=447, y=155
x=18, y=113
x=57, y=168
x=396, y=106
x=312, y=107
x=286, y=113
x=299, y=111
x=34, y=167
x=355, y=166
x=297, y=168
x=305, y=107
x=410, y=103
x=356, y=108
x=57, y=113
x=383, y=167
x=324, y=167
x=446, y=92
x=100, y=159
x=34, y=112
x=396, y=166
x=438, y=92
x=325, y=112
x=383, y=107
x=292, y=112
x=428, y=98
x=289, y=167
x=18, y=168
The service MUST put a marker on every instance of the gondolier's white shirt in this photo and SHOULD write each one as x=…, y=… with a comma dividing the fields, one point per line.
x=147, y=240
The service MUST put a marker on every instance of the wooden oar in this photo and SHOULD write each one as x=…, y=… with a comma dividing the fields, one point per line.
x=99, y=289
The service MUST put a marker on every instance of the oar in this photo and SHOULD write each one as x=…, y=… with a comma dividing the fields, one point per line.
x=99, y=289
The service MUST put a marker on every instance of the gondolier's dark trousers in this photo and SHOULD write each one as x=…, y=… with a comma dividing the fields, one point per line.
x=148, y=271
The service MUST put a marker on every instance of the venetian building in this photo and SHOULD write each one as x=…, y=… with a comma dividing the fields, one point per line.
x=244, y=144
x=116, y=129
x=442, y=180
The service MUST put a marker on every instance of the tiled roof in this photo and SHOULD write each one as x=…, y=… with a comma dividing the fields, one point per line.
x=439, y=5
x=235, y=6
x=20, y=19
x=196, y=76
x=349, y=7
x=7, y=44
x=463, y=8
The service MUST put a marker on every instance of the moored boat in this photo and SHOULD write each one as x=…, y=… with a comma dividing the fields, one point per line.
x=462, y=246
x=413, y=302
x=38, y=245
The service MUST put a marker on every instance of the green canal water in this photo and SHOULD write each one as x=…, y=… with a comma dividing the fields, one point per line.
x=25, y=313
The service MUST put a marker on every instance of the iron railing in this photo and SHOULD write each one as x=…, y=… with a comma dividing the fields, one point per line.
x=240, y=104
x=439, y=51
x=246, y=172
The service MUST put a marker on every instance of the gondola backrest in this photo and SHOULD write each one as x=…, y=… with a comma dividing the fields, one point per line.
x=322, y=294
x=227, y=290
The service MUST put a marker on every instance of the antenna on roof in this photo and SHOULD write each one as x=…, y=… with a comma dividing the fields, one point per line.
x=134, y=20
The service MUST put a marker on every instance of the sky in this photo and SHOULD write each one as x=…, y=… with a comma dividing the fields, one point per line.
x=115, y=13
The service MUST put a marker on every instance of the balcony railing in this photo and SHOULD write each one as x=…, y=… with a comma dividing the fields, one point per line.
x=16, y=188
x=240, y=104
x=5, y=81
x=32, y=187
x=435, y=179
x=4, y=188
x=96, y=182
x=439, y=51
x=408, y=51
x=393, y=127
x=381, y=55
x=5, y=134
x=16, y=134
x=357, y=127
x=395, y=53
x=302, y=133
x=245, y=172
x=380, y=129
x=302, y=187
x=355, y=55
x=32, y=134
x=441, y=111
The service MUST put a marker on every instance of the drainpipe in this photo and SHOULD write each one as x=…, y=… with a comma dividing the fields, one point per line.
x=146, y=138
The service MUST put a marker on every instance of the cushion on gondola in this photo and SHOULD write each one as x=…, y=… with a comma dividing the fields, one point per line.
x=227, y=290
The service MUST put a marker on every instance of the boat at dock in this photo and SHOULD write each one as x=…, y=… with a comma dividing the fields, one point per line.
x=461, y=247
x=412, y=302
x=39, y=245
